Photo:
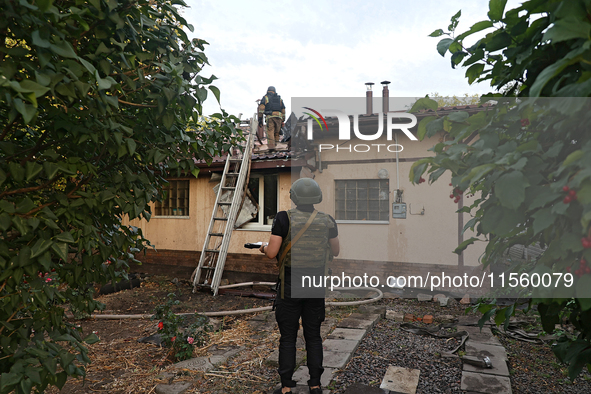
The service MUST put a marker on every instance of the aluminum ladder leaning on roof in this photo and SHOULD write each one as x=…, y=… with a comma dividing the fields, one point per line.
x=227, y=204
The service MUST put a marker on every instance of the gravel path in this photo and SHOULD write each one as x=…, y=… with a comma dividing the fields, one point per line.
x=386, y=344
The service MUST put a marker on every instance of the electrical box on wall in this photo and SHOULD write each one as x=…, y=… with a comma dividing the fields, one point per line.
x=399, y=210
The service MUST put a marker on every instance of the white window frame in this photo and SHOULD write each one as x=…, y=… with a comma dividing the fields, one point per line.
x=260, y=225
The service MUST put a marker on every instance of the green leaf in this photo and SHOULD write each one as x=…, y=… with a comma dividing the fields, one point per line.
x=496, y=9
x=424, y=103
x=510, y=189
x=9, y=379
x=195, y=172
x=61, y=249
x=543, y=219
x=474, y=72
x=32, y=169
x=40, y=246
x=567, y=29
x=92, y=338
x=31, y=86
x=16, y=171
x=574, y=156
x=552, y=70
x=50, y=169
x=131, y=145
x=44, y=5
x=216, y=92
x=66, y=236
x=443, y=45
x=422, y=129
x=24, y=205
x=436, y=33
x=38, y=41
x=461, y=247
x=26, y=110
x=63, y=49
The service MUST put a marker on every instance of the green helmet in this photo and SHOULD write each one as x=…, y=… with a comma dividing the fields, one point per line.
x=305, y=191
x=271, y=89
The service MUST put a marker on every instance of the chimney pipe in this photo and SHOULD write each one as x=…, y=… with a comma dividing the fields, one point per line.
x=385, y=97
x=369, y=98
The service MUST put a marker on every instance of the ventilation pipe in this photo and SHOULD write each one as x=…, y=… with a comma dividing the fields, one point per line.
x=369, y=98
x=385, y=97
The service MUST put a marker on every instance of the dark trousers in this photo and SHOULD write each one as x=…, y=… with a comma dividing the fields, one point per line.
x=288, y=312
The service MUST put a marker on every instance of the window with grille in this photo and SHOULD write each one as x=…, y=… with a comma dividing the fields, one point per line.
x=362, y=199
x=175, y=201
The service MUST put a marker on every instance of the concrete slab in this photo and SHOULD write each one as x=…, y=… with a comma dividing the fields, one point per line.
x=356, y=323
x=476, y=335
x=396, y=316
x=335, y=359
x=173, y=388
x=302, y=376
x=480, y=383
x=499, y=368
x=365, y=316
x=401, y=380
x=195, y=364
x=496, y=353
x=340, y=345
x=347, y=333
x=359, y=388
x=468, y=320
x=373, y=309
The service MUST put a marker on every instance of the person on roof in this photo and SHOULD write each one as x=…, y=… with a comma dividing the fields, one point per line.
x=272, y=106
x=304, y=241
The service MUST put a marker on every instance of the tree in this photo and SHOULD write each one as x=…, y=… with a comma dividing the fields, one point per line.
x=527, y=159
x=453, y=101
x=100, y=100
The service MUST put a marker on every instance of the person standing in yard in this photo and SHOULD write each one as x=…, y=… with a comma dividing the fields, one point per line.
x=272, y=106
x=303, y=240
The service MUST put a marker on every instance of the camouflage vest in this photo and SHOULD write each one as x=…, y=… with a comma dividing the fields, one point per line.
x=272, y=103
x=312, y=250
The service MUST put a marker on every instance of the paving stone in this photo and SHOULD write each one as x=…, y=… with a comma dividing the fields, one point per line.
x=261, y=325
x=327, y=326
x=438, y=297
x=195, y=364
x=468, y=320
x=401, y=380
x=443, y=302
x=481, y=383
x=393, y=315
x=359, y=388
x=424, y=297
x=363, y=316
x=393, y=294
x=334, y=359
x=497, y=355
x=465, y=300
x=408, y=318
x=340, y=345
x=484, y=350
x=264, y=316
x=373, y=309
x=302, y=376
x=347, y=333
x=446, y=318
x=476, y=335
x=356, y=323
x=173, y=388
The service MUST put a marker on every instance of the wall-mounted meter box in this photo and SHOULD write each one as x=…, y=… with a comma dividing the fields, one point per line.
x=399, y=210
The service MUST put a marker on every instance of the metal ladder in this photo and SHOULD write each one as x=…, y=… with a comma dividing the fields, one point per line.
x=227, y=204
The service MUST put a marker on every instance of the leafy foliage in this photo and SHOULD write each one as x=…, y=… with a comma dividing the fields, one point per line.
x=526, y=159
x=176, y=333
x=100, y=101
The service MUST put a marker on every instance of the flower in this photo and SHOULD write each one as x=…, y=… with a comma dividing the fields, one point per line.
x=160, y=326
x=173, y=339
x=47, y=280
x=190, y=340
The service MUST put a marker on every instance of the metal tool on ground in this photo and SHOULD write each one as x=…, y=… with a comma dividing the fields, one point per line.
x=227, y=204
x=482, y=362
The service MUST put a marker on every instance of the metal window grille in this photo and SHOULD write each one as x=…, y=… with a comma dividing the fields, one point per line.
x=362, y=199
x=175, y=201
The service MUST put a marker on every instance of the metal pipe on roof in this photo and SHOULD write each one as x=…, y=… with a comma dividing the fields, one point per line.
x=385, y=97
x=369, y=98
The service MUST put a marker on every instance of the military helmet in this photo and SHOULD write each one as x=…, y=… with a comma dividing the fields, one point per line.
x=305, y=191
x=271, y=89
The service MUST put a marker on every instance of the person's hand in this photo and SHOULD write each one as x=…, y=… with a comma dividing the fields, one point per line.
x=262, y=248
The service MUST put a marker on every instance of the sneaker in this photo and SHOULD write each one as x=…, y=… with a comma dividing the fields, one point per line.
x=317, y=390
x=278, y=391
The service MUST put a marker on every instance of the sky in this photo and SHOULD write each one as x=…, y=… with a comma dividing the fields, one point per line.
x=329, y=48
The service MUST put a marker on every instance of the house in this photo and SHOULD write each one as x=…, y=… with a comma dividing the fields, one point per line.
x=387, y=226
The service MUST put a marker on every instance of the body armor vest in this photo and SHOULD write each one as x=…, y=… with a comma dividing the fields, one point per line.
x=273, y=103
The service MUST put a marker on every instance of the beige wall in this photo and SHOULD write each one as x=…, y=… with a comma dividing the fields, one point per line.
x=188, y=233
x=428, y=238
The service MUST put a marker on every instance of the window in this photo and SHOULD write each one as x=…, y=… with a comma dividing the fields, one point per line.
x=264, y=191
x=362, y=199
x=175, y=201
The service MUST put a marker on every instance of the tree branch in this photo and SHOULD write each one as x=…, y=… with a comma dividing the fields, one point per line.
x=137, y=105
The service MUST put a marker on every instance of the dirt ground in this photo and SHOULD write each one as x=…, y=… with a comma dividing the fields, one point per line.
x=122, y=365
